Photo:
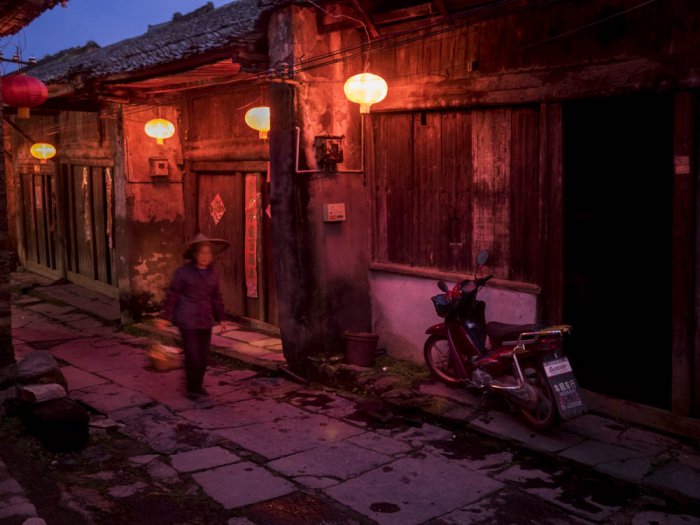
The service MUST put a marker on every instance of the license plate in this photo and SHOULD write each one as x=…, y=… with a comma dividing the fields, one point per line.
x=557, y=367
x=561, y=378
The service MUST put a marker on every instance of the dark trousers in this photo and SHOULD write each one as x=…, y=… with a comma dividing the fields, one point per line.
x=196, y=345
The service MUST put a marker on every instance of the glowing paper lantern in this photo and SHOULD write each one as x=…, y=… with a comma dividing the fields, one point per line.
x=259, y=119
x=23, y=92
x=159, y=129
x=42, y=151
x=365, y=89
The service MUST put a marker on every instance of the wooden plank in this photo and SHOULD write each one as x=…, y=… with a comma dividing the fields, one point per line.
x=72, y=238
x=247, y=166
x=551, y=184
x=683, y=253
x=407, y=13
x=30, y=216
x=255, y=307
x=525, y=196
x=394, y=134
x=491, y=212
x=272, y=313
x=377, y=155
x=457, y=180
x=439, y=275
x=83, y=222
x=99, y=209
x=429, y=217
x=41, y=222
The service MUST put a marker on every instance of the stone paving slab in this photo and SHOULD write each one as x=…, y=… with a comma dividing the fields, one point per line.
x=379, y=443
x=50, y=309
x=460, y=394
x=430, y=487
x=78, y=379
x=238, y=346
x=242, y=484
x=679, y=478
x=500, y=425
x=582, y=506
x=203, y=458
x=337, y=460
x=664, y=518
x=102, y=306
x=243, y=336
x=33, y=333
x=110, y=397
x=633, y=469
x=591, y=452
x=26, y=300
x=240, y=414
x=509, y=507
x=278, y=438
x=267, y=342
x=14, y=505
x=82, y=354
x=163, y=431
x=274, y=358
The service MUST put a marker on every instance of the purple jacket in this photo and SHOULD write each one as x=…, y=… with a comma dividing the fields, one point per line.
x=194, y=299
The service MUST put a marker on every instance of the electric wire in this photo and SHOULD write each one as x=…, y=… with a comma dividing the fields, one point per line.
x=413, y=37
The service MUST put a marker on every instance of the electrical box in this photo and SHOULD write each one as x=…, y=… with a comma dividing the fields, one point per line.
x=329, y=150
x=159, y=167
x=334, y=212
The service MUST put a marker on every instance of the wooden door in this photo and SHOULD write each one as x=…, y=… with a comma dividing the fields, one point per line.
x=89, y=226
x=231, y=206
x=38, y=194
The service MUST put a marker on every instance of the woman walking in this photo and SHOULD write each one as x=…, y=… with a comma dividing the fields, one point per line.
x=194, y=305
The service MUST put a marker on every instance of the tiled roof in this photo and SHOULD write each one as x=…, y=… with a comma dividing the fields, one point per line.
x=15, y=14
x=203, y=30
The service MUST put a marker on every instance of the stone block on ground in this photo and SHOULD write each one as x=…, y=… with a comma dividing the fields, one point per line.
x=40, y=393
x=61, y=424
x=39, y=367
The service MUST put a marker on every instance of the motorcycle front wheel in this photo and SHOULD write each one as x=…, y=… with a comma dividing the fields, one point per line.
x=544, y=416
x=440, y=360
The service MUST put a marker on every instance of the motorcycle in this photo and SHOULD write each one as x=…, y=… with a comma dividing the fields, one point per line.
x=524, y=363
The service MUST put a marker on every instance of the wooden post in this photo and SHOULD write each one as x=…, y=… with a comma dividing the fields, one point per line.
x=551, y=210
x=292, y=270
x=683, y=253
x=7, y=353
x=121, y=233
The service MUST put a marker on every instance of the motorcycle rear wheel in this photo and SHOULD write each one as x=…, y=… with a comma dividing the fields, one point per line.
x=544, y=416
x=439, y=359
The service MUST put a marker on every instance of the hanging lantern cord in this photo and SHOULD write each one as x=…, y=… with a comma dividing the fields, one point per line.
x=364, y=26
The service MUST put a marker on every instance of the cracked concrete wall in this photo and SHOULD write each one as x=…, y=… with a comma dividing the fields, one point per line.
x=155, y=210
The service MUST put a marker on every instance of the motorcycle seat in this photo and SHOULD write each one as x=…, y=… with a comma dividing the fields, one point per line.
x=499, y=332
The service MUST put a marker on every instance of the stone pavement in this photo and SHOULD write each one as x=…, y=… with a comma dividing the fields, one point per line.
x=262, y=440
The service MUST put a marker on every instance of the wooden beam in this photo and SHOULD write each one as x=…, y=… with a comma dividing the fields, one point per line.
x=442, y=8
x=361, y=7
x=399, y=15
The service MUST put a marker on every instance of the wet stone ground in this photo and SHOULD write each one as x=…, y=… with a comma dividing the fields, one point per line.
x=265, y=451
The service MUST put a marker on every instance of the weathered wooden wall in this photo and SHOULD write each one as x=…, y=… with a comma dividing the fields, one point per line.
x=552, y=52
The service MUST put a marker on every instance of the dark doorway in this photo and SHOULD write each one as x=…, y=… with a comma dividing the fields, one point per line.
x=617, y=244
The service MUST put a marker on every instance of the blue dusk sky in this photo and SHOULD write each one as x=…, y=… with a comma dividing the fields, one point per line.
x=103, y=21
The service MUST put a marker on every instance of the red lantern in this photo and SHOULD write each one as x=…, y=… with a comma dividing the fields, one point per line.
x=23, y=92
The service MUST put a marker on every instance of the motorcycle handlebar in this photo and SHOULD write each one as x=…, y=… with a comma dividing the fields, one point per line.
x=479, y=281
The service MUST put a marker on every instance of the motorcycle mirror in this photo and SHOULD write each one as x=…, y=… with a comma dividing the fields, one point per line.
x=482, y=257
x=442, y=285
